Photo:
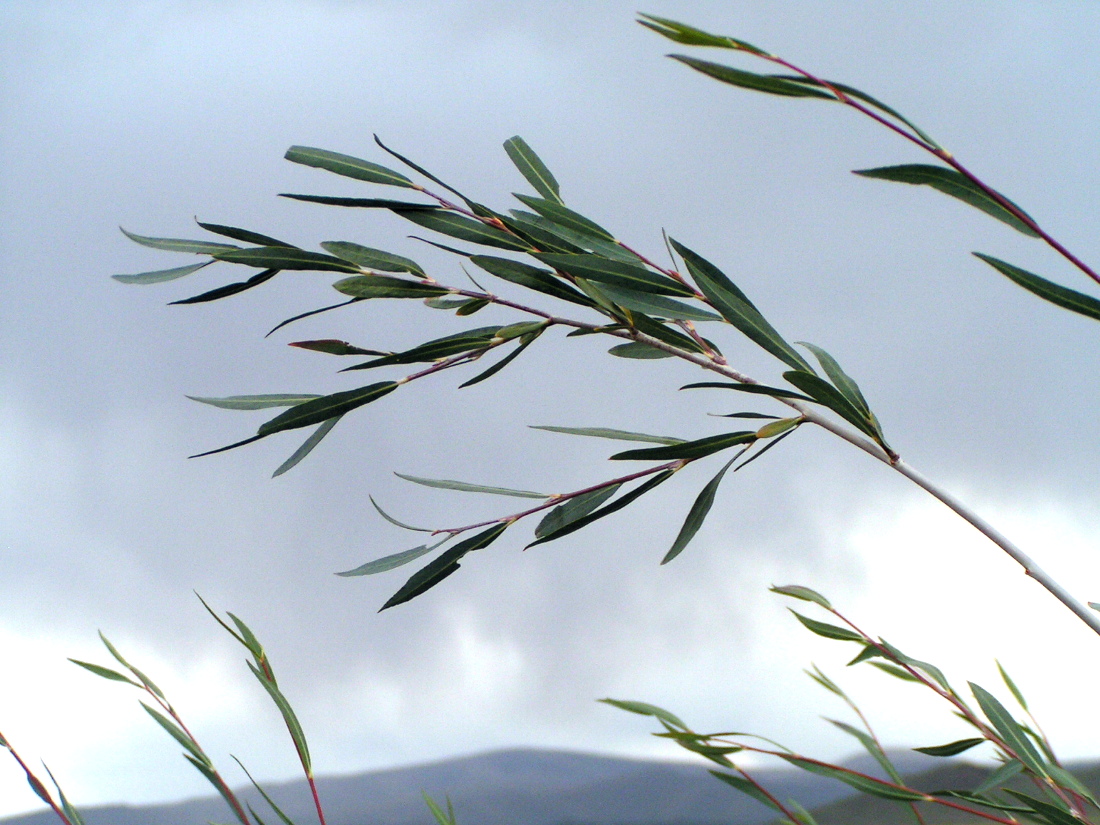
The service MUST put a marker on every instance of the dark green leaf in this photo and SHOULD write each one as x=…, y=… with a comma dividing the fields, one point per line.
x=532, y=168
x=161, y=275
x=397, y=523
x=105, y=672
x=176, y=733
x=539, y=232
x=331, y=346
x=383, y=286
x=230, y=289
x=307, y=446
x=436, y=571
x=1000, y=776
x=618, y=504
x=465, y=487
x=532, y=277
x=179, y=244
x=656, y=306
x=688, y=449
x=605, y=432
x=663, y=333
x=640, y=351
x=797, y=591
x=1047, y=290
x=243, y=235
x=841, y=380
x=750, y=80
x=696, y=515
x=829, y=631
x=280, y=257
x=444, y=347
x=646, y=709
x=756, y=389
x=871, y=746
x=255, y=402
x=461, y=227
x=736, y=308
x=312, y=312
x=1054, y=814
x=747, y=788
x=371, y=258
x=470, y=307
x=952, y=183
x=826, y=394
x=347, y=166
x=1009, y=729
x=691, y=36
x=565, y=217
x=952, y=748
x=617, y=273
x=326, y=407
x=66, y=807
x=745, y=415
x=418, y=168
x=396, y=560
x=895, y=671
x=208, y=772
x=1011, y=685
x=293, y=726
x=501, y=364
x=929, y=669
x=359, y=203
x=863, y=784
x=573, y=509
x=278, y=811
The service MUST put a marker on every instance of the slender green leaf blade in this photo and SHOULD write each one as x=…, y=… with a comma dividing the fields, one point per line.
x=294, y=727
x=394, y=560
x=826, y=394
x=179, y=244
x=326, y=407
x=383, y=286
x=747, y=788
x=841, y=380
x=395, y=522
x=229, y=289
x=951, y=183
x=736, y=308
x=769, y=84
x=1000, y=776
x=461, y=227
x=245, y=235
x=646, y=709
x=863, y=784
x=333, y=346
x=573, y=509
x=462, y=486
x=607, y=432
x=1056, y=294
x=565, y=217
x=696, y=515
x=1009, y=729
x=531, y=167
x=278, y=811
x=532, y=277
x=255, y=402
x=691, y=36
x=951, y=748
x=105, y=672
x=688, y=449
x=347, y=166
x=161, y=275
x=436, y=571
x=656, y=306
x=280, y=257
x=371, y=258
x=797, y=591
x=617, y=273
x=756, y=389
x=307, y=446
x=828, y=631
x=176, y=733
x=501, y=364
x=642, y=352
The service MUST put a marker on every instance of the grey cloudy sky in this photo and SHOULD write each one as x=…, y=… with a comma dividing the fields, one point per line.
x=146, y=114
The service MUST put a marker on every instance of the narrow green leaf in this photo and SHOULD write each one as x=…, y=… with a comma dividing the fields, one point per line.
x=359, y=203
x=436, y=571
x=66, y=807
x=565, y=217
x=293, y=726
x=309, y=314
x=696, y=515
x=461, y=227
x=255, y=402
x=827, y=395
x=797, y=591
x=829, y=631
x=176, y=733
x=532, y=277
x=1047, y=290
x=691, y=36
x=394, y=560
x=371, y=258
x=656, y=306
x=756, y=389
x=179, y=244
x=347, y=166
x=418, y=168
x=464, y=487
x=951, y=183
x=332, y=346
x=1000, y=776
x=646, y=709
x=307, y=445
x=448, y=345
x=573, y=509
x=1054, y=814
x=841, y=380
x=871, y=746
x=229, y=289
x=326, y=407
x=38, y=788
x=212, y=777
x=688, y=449
x=606, y=510
x=245, y=235
x=441, y=817
x=501, y=364
x=818, y=676
x=278, y=811
x=383, y=286
x=747, y=788
x=279, y=257
x=769, y=84
x=531, y=167
x=895, y=671
x=1009, y=729
x=1067, y=780
x=249, y=640
x=780, y=427
x=161, y=275
x=105, y=672
x=863, y=784
x=563, y=235
x=606, y=432
x=470, y=307
x=1011, y=685
x=929, y=669
x=952, y=748
x=736, y=308
x=395, y=522
x=617, y=273
x=642, y=352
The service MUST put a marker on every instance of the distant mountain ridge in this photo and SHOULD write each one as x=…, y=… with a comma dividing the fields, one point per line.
x=538, y=787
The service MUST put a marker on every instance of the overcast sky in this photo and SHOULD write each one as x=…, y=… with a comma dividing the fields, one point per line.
x=147, y=114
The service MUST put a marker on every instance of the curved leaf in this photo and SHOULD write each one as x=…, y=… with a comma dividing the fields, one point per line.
x=347, y=166
x=656, y=306
x=255, y=402
x=328, y=406
x=395, y=522
x=770, y=84
x=756, y=389
x=532, y=277
x=465, y=487
x=531, y=167
x=606, y=432
x=617, y=273
x=461, y=227
x=307, y=446
x=1047, y=290
x=691, y=36
x=161, y=275
x=573, y=509
x=565, y=217
x=245, y=235
x=281, y=257
x=179, y=244
x=383, y=286
x=229, y=289
x=688, y=449
x=952, y=748
x=436, y=571
x=371, y=258
x=696, y=515
x=391, y=562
